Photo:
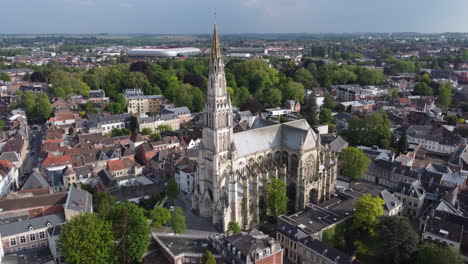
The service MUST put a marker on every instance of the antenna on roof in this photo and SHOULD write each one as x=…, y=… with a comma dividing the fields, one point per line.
x=215, y=14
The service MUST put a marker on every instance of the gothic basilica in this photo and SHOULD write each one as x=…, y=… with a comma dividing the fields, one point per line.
x=234, y=168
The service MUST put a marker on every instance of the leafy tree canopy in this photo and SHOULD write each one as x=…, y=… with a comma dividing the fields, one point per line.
x=354, y=163
x=87, y=238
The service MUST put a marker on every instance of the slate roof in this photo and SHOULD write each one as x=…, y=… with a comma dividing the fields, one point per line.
x=391, y=202
x=10, y=156
x=35, y=201
x=295, y=233
x=327, y=251
x=36, y=223
x=439, y=227
x=107, y=179
x=79, y=200
x=295, y=135
x=338, y=144
x=414, y=189
x=35, y=180
x=248, y=243
x=179, y=110
x=133, y=192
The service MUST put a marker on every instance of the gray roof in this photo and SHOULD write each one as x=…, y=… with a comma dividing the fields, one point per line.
x=10, y=156
x=79, y=200
x=338, y=144
x=414, y=189
x=160, y=116
x=99, y=118
x=295, y=135
x=36, y=180
x=137, y=97
x=179, y=110
x=391, y=202
x=36, y=223
x=182, y=244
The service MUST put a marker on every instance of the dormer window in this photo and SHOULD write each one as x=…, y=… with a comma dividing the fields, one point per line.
x=48, y=224
x=30, y=228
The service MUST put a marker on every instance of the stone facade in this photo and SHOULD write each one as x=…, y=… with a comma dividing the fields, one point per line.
x=234, y=169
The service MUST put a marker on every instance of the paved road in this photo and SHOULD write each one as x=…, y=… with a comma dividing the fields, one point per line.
x=195, y=224
x=31, y=161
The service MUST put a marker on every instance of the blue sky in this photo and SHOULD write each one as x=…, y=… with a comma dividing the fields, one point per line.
x=233, y=16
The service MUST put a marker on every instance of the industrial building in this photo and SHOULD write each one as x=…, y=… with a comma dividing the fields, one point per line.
x=165, y=52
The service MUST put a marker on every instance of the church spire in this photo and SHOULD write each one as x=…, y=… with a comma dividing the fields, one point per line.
x=215, y=49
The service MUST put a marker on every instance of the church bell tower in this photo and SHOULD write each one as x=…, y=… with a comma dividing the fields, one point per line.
x=209, y=195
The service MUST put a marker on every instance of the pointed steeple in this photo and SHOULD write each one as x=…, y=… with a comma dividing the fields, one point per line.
x=215, y=49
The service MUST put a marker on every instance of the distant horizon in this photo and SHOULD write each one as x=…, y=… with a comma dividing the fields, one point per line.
x=233, y=17
x=236, y=33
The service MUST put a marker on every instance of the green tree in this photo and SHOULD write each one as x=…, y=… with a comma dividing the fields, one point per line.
x=44, y=108
x=354, y=163
x=433, y=254
x=198, y=100
x=114, y=108
x=422, y=89
x=87, y=238
x=310, y=111
x=234, y=227
x=343, y=76
x=326, y=116
x=5, y=77
x=292, y=90
x=162, y=128
x=368, y=209
x=393, y=93
x=89, y=107
x=403, y=66
x=305, y=78
x=312, y=68
x=160, y=216
x=2, y=125
x=139, y=81
x=172, y=189
x=104, y=202
x=445, y=95
x=370, y=76
x=178, y=221
x=402, y=144
x=397, y=239
x=146, y=131
x=29, y=103
x=329, y=102
x=155, y=136
x=242, y=95
x=452, y=120
x=208, y=258
x=134, y=126
x=131, y=231
x=273, y=97
x=276, y=197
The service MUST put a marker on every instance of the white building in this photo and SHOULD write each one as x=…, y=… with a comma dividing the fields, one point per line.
x=98, y=123
x=8, y=177
x=433, y=139
x=277, y=112
x=186, y=178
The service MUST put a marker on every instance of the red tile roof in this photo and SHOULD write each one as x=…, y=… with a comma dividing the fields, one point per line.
x=52, y=160
x=116, y=165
